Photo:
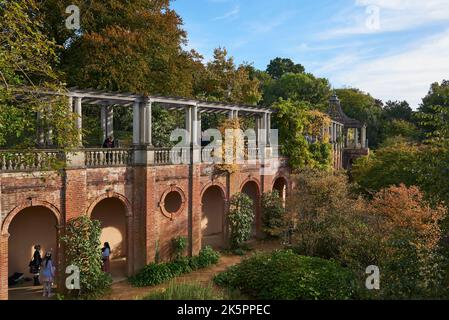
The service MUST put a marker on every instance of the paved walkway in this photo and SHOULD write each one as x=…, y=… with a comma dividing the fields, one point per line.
x=124, y=291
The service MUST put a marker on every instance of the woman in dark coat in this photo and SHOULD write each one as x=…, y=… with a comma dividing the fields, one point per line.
x=35, y=264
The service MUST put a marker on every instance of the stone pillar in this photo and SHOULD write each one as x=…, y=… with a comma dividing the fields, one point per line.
x=199, y=129
x=142, y=117
x=231, y=115
x=356, y=138
x=79, y=119
x=110, y=121
x=268, y=129
x=103, y=123
x=195, y=211
x=4, y=266
x=194, y=125
x=188, y=121
x=136, y=123
x=364, y=146
x=148, y=123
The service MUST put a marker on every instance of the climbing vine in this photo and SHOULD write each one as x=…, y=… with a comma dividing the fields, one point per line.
x=302, y=134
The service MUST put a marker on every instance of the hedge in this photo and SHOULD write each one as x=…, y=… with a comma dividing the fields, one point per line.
x=285, y=275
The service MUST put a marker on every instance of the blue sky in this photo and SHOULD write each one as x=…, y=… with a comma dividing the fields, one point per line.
x=393, y=49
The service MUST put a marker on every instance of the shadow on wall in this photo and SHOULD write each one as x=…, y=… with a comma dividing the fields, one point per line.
x=31, y=226
x=111, y=213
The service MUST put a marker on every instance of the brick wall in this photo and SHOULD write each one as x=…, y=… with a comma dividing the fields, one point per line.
x=149, y=231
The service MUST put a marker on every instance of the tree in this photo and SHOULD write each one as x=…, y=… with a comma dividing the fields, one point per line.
x=434, y=110
x=26, y=58
x=133, y=46
x=280, y=66
x=273, y=214
x=300, y=87
x=224, y=81
x=398, y=110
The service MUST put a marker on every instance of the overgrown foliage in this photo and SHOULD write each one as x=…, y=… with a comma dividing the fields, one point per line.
x=81, y=243
x=284, y=275
x=300, y=132
x=26, y=71
x=273, y=214
x=240, y=217
x=157, y=273
x=398, y=231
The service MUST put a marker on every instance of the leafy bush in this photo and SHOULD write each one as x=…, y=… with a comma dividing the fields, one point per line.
x=157, y=273
x=397, y=230
x=273, y=213
x=240, y=218
x=81, y=246
x=185, y=291
x=179, y=246
x=284, y=275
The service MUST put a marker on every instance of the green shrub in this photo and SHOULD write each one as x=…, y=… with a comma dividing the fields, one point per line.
x=157, y=273
x=153, y=274
x=179, y=245
x=240, y=218
x=273, y=214
x=82, y=242
x=284, y=275
x=185, y=291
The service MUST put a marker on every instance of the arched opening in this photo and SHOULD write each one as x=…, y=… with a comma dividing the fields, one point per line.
x=31, y=226
x=251, y=189
x=112, y=214
x=212, y=221
x=280, y=185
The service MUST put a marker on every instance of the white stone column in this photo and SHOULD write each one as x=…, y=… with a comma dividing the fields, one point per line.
x=110, y=121
x=148, y=123
x=104, y=128
x=268, y=129
x=199, y=129
x=79, y=119
x=142, y=117
x=231, y=115
x=356, y=137
x=364, y=137
x=136, y=123
x=194, y=126
x=188, y=117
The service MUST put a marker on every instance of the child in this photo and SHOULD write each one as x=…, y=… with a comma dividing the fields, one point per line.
x=48, y=275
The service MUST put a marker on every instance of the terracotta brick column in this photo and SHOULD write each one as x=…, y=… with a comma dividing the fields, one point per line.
x=151, y=215
x=4, y=266
x=75, y=193
x=195, y=210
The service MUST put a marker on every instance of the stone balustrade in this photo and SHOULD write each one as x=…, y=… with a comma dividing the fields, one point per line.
x=42, y=160
x=108, y=157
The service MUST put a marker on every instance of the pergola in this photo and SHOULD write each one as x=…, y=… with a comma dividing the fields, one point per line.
x=142, y=113
x=354, y=130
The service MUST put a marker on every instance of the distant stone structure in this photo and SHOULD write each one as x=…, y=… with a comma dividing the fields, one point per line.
x=351, y=142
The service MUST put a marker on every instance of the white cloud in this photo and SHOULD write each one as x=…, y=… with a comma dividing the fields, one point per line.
x=394, y=15
x=228, y=15
x=401, y=76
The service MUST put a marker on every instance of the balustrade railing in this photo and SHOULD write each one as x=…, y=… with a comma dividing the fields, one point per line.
x=35, y=160
x=108, y=157
x=167, y=156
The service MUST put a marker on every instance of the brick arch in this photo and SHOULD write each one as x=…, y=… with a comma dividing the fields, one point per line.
x=109, y=195
x=29, y=204
x=251, y=179
x=214, y=184
x=281, y=176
